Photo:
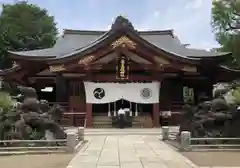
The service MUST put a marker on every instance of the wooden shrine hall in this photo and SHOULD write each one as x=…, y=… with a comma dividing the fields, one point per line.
x=95, y=73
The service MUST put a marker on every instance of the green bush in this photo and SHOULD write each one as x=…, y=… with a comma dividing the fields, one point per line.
x=6, y=102
x=236, y=95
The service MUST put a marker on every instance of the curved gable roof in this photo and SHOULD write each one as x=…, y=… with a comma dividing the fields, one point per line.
x=75, y=42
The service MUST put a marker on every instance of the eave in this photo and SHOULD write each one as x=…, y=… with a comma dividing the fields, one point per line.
x=227, y=69
x=221, y=57
x=17, y=56
x=14, y=69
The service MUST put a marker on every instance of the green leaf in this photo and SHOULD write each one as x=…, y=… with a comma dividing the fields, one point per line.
x=25, y=26
x=225, y=18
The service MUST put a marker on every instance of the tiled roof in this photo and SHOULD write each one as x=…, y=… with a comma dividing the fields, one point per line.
x=76, y=41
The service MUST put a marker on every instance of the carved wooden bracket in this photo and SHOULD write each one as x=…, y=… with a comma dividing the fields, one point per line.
x=189, y=68
x=86, y=60
x=15, y=64
x=122, y=41
x=57, y=68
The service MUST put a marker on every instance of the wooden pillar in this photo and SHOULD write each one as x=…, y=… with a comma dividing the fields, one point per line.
x=156, y=115
x=61, y=89
x=89, y=114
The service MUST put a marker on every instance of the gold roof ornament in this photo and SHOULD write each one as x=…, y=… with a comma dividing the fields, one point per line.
x=124, y=40
x=57, y=68
x=86, y=60
x=189, y=68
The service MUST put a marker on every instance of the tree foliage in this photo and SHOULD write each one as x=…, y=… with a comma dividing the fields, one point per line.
x=236, y=95
x=6, y=102
x=23, y=27
x=226, y=26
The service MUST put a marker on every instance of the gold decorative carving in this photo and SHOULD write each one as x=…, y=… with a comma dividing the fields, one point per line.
x=161, y=60
x=86, y=60
x=122, y=68
x=124, y=40
x=57, y=68
x=189, y=68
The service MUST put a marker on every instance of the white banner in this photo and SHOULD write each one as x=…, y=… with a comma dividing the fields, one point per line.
x=100, y=93
x=144, y=93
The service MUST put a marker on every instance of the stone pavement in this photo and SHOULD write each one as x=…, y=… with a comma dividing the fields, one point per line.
x=128, y=151
x=220, y=167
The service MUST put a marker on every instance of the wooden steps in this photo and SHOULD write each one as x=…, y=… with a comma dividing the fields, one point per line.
x=102, y=122
x=137, y=122
x=142, y=122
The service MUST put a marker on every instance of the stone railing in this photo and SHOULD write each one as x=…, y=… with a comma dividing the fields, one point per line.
x=71, y=144
x=186, y=142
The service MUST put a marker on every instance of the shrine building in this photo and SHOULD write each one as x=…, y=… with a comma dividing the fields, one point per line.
x=95, y=73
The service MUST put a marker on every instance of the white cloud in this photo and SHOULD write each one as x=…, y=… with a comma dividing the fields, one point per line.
x=194, y=4
x=192, y=28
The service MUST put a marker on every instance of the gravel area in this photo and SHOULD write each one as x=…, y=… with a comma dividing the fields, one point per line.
x=218, y=158
x=36, y=161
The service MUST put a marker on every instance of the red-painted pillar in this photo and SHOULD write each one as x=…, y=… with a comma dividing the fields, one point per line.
x=156, y=115
x=89, y=114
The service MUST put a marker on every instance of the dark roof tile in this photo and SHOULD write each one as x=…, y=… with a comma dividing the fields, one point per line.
x=75, y=41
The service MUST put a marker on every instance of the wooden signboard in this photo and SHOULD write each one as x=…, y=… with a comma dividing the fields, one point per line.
x=122, y=67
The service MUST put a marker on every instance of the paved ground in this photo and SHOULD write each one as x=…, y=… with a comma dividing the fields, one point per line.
x=221, y=158
x=128, y=151
x=36, y=161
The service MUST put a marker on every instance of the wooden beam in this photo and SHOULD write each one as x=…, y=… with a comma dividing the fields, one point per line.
x=132, y=77
x=73, y=75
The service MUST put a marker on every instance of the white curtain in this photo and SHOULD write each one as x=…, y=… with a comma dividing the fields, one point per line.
x=143, y=93
x=99, y=93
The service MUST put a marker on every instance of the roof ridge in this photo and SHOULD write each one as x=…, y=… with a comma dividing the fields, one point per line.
x=100, y=32
x=82, y=32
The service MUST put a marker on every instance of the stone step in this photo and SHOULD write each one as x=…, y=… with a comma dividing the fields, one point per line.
x=121, y=133
x=127, y=131
x=172, y=129
x=102, y=126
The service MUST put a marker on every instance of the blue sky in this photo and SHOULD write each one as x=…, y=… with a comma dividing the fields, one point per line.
x=190, y=19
